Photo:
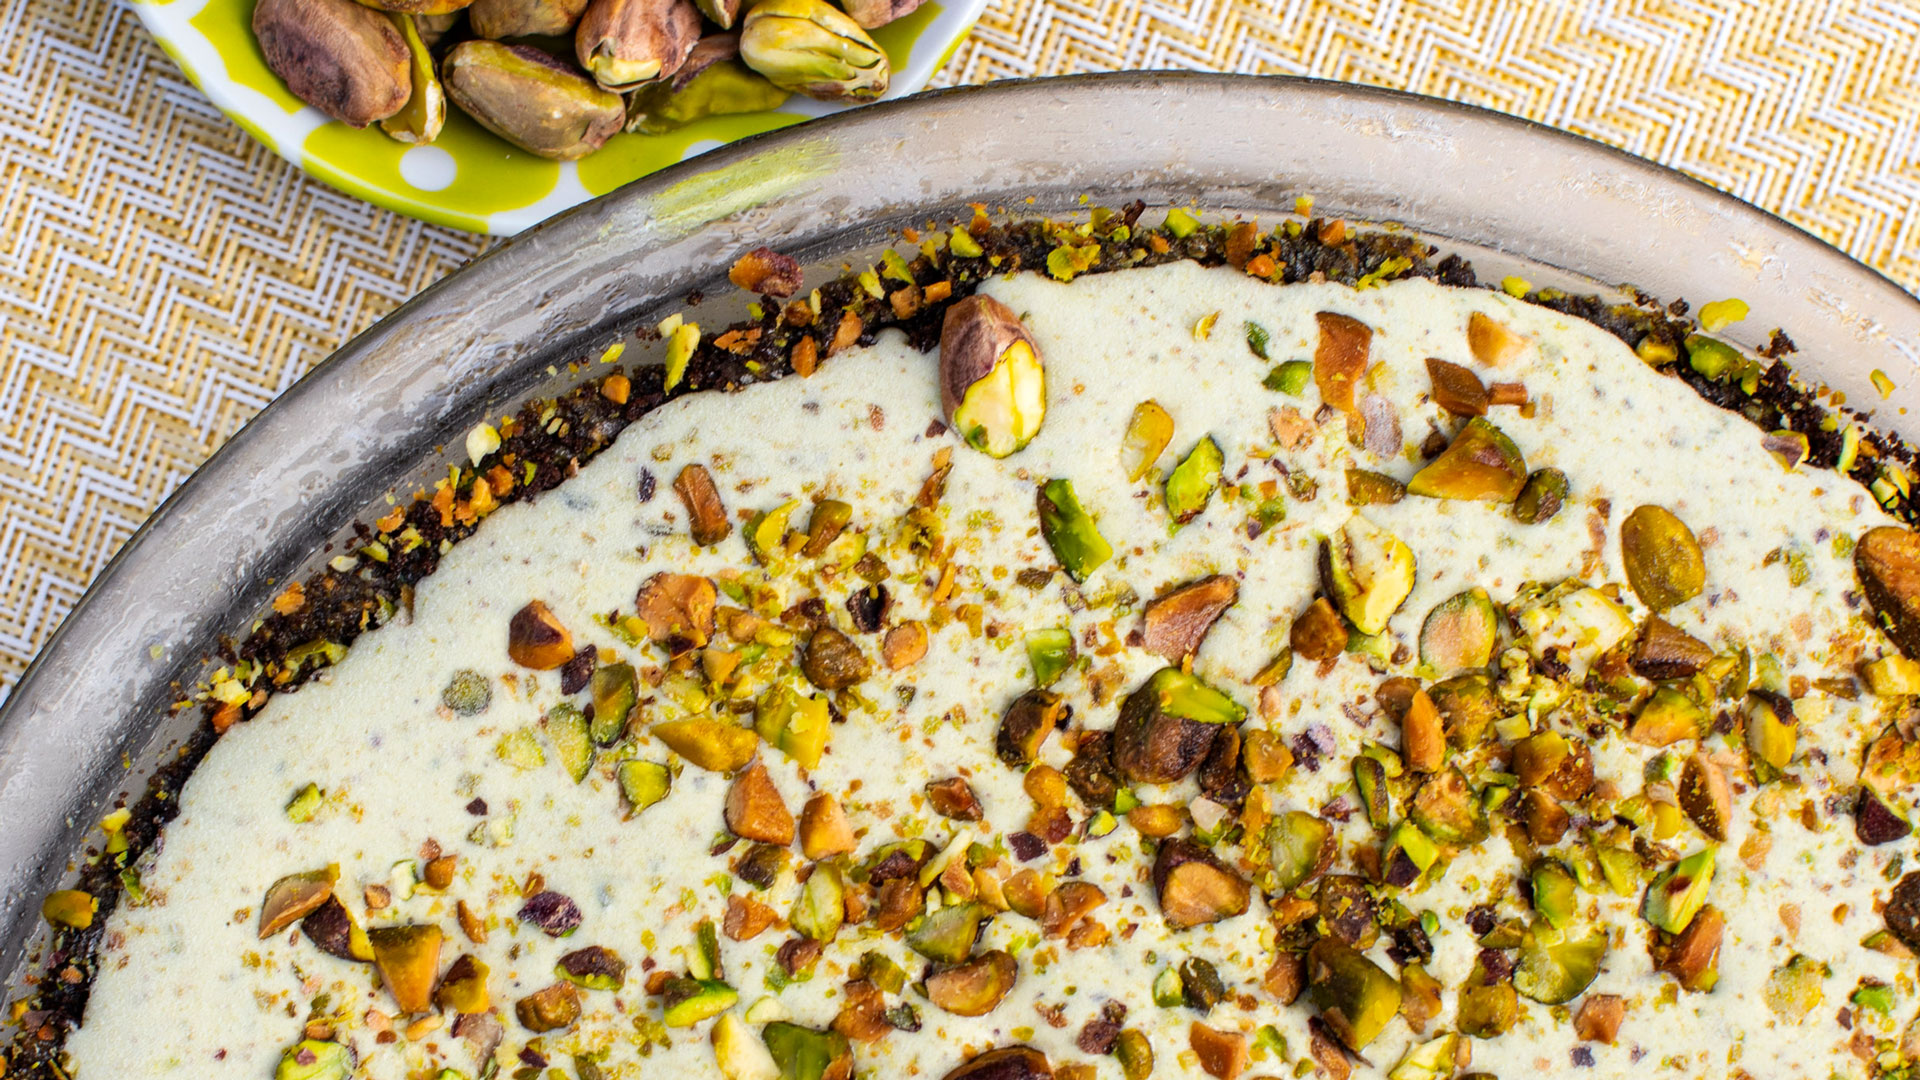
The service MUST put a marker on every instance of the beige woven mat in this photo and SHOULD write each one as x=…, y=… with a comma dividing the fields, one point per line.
x=162, y=277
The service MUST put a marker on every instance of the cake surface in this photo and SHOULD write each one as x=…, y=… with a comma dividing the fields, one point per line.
x=406, y=773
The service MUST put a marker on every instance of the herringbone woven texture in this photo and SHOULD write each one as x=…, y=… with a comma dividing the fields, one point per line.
x=162, y=277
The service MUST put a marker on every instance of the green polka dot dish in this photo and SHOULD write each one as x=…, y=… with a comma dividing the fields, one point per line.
x=471, y=177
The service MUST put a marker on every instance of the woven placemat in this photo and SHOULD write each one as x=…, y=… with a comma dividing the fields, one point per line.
x=162, y=277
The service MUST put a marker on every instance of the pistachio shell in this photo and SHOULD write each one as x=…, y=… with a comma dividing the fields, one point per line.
x=497, y=19
x=811, y=48
x=624, y=43
x=530, y=99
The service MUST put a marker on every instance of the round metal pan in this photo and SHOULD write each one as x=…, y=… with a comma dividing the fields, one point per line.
x=90, y=718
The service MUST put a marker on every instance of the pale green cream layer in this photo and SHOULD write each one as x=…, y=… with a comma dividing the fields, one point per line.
x=187, y=990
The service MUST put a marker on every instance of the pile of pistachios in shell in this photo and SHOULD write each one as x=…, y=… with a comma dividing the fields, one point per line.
x=558, y=78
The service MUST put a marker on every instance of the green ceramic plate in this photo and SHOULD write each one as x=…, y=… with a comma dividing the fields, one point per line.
x=468, y=178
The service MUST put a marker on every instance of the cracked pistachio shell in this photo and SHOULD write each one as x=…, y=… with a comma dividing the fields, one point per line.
x=420, y=120
x=434, y=28
x=530, y=99
x=993, y=385
x=812, y=48
x=624, y=43
x=873, y=13
x=346, y=60
x=723, y=13
x=496, y=19
x=721, y=86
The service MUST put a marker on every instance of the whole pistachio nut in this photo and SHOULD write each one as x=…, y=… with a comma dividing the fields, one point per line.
x=420, y=120
x=812, y=48
x=497, y=19
x=433, y=28
x=872, y=13
x=721, y=88
x=530, y=99
x=723, y=13
x=993, y=387
x=624, y=43
x=346, y=60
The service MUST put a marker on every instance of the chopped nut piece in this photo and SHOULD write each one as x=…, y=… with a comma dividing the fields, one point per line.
x=1423, y=744
x=1176, y=622
x=438, y=873
x=904, y=645
x=1480, y=463
x=1194, y=888
x=1028, y=722
x=1067, y=905
x=1223, y=1054
x=954, y=798
x=1705, y=796
x=705, y=511
x=1167, y=726
x=1693, y=956
x=755, y=810
x=551, y=1009
x=1598, y=1018
x=535, y=638
x=708, y=741
x=746, y=918
x=1887, y=560
x=767, y=272
x=1876, y=821
x=1148, y=434
x=1456, y=389
x=976, y=987
x=833, y=661
x=333, y=930
x=1356, y=998
x=1318, y=634
x=1265, y=757
x=288, y=900
x=1665, y=651
x=1459, y=633
x=824, y=831
x=408, y=958
x=1340, y=359
x=463, y=989
x=1662, y=558
x=678, y=610
x=1492, y=343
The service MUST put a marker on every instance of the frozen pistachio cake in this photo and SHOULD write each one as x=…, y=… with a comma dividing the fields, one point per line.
x=1164, y=673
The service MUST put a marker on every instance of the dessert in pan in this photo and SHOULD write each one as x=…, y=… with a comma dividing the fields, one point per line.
x=1115, y=648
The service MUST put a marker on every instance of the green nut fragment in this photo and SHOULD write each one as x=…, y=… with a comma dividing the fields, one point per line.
x=739, y=1053
x=1028, y=722
x=1301, y=848
x=1148, y=433
x=1481, y=463
x=572, y=743
x=1772, y=731
x=1662, y=558
x=76, y=908
x=1485, y=1011
x=530, y=99
x=1355, y=996
x=1368, y=488
x=1070, y=530
x=1408, y=854
x=798, y=724
x=1541, y=497
x=1712, y=357
x=976, y=986
x=1676, y=896
x=1556, y=972
x=315, y=1059
x=1191, y=484
x=821, y=906
x=1134, y=1051
x=811, y=48
x=1181, y=223
x=304, y=804
x=1290, y=378
x=1370, y=783
x=1794, y=989
x=593, y=968
x=520, y=748
x=766, y=532
x=421, y=118
x=1368, y=572
x=689, y=1001
x=1554, y=893
x=1468, y=708
x=1435, y=1059
x=468, y=693
x=1050, y=653
x=643, y=783
x=1446, y=808
x=802, y=1053
x=1169, y=990
x=993, y=385
x=614, y=690
x=1667, y=717
x=1459, y=633
x=947, y=936
x=708, y=741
